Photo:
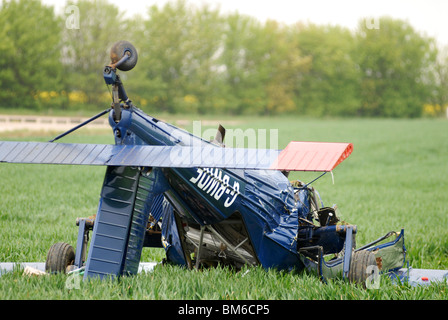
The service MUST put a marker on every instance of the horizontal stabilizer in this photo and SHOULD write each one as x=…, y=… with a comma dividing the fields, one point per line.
x=298, y=156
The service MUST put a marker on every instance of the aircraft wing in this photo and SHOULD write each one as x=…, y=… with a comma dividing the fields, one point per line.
x=297, y=156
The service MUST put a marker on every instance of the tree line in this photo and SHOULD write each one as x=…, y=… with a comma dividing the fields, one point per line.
x=195, y=59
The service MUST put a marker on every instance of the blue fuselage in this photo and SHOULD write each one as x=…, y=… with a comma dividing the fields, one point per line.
x=263, y=198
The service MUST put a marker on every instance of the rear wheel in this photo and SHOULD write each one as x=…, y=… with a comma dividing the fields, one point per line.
x=60, y=256
x=362, y=266
x=119, y=49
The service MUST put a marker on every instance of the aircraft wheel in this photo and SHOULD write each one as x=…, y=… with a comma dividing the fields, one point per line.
x=119, y=49
x=359, y=266
x=60, y=256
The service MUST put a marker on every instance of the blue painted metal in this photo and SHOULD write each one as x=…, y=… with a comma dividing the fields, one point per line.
x=170, y=236
x=265, y=199
x=121, y=221
x=150, y=186
x=113, y=222
x=80, y=125
x=80, y=243
x=109, y=75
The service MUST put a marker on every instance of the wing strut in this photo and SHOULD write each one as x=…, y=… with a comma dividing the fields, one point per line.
x=80, y=125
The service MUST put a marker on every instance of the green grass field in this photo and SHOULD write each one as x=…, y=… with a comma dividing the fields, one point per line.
x=395, y=178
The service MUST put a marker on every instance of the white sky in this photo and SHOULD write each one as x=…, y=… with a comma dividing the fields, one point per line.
x=426, y=16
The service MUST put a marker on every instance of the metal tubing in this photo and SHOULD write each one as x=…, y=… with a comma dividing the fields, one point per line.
x=125, y=57
x=347, y=251
x=227, y=244
x=241, y=243
x=318, y=259
x=201, y=238
x=80, y=125
x=81, y=244
x=376, y=241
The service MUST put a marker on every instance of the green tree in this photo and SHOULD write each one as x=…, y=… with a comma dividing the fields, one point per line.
x=262, y=66
x=86, y=48
x=179, y=46
x=331, y=85
x=395, y=62
x=29, y=53
x=282, y=66
x=241, y=85
x=440, y=82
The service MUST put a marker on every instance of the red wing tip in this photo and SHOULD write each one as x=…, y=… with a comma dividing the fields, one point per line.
x=312, y=156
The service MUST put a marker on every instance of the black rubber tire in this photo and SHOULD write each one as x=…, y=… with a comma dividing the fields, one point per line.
x=359, y=263
x=117, y=52
x=59, y=257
